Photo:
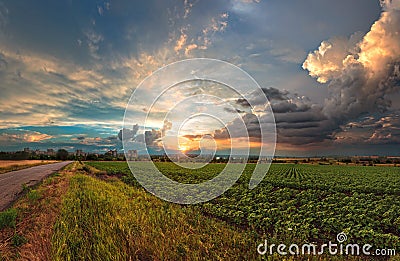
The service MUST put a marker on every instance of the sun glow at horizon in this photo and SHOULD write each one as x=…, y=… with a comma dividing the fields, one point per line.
x=183, y=148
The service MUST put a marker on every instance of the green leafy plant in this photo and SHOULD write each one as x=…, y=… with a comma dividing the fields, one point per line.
x=299, y=202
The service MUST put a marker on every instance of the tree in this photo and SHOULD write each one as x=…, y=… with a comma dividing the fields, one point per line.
x=62, y=154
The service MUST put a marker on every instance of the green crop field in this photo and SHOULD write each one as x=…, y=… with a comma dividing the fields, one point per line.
x=301, y=203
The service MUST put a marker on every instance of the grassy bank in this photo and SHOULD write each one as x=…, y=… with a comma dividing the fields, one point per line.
x=113, y=221
x=26, y=228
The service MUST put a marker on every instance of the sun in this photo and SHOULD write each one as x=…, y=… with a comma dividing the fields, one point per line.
x=183, y=148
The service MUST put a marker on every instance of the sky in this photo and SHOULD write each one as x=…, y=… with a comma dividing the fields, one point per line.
x=330, y=71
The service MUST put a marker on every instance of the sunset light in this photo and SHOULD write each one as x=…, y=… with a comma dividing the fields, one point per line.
x=200, y=130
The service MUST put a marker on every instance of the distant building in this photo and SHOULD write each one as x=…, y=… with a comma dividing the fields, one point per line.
x=27, y=150
x=51, y=152
x=132, y=155
x=237, y=159
x=263, y=159
x=80, y=153
x=40, y=152
x=113, y=153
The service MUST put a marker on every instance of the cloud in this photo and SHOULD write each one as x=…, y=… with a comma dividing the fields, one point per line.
x=100, y=10
x=82, y=71
x=390, y=4
x=228, y=109
x=96, y=141
x=360, y=74
x=21, y=136
x=41, y=87
x=94, y=138
x=195, y=136
x=383, y=129
x=189, y=48
x=93, y=41
x=199, y=36
x=3, y=16
x=252, y=129
x=327, y=62
x=152, y=138
x=298, y=120
x=127, y=134
x=275, y=94
x=3, y=63
x=188, y=6
x=166, y=127
x=180, y=42
x=244, y=6
x=218, y=24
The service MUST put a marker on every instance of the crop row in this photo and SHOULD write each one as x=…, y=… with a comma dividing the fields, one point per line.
x=302, y=203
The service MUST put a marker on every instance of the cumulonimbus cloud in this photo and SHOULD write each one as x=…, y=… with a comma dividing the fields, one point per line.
x=361, y=72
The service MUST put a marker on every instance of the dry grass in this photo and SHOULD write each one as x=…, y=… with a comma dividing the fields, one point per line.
x=11, y=165
x=7, y=163
x=37, y=212
x=109, y=220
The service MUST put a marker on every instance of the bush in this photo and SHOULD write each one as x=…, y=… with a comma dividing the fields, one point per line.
x=86, y=169
x=8, y=218
x=33, y=195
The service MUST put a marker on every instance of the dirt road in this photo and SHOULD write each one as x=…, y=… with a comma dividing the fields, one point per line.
x=11, y=183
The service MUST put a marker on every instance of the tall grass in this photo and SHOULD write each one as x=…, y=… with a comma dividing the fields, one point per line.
x=112, y=221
